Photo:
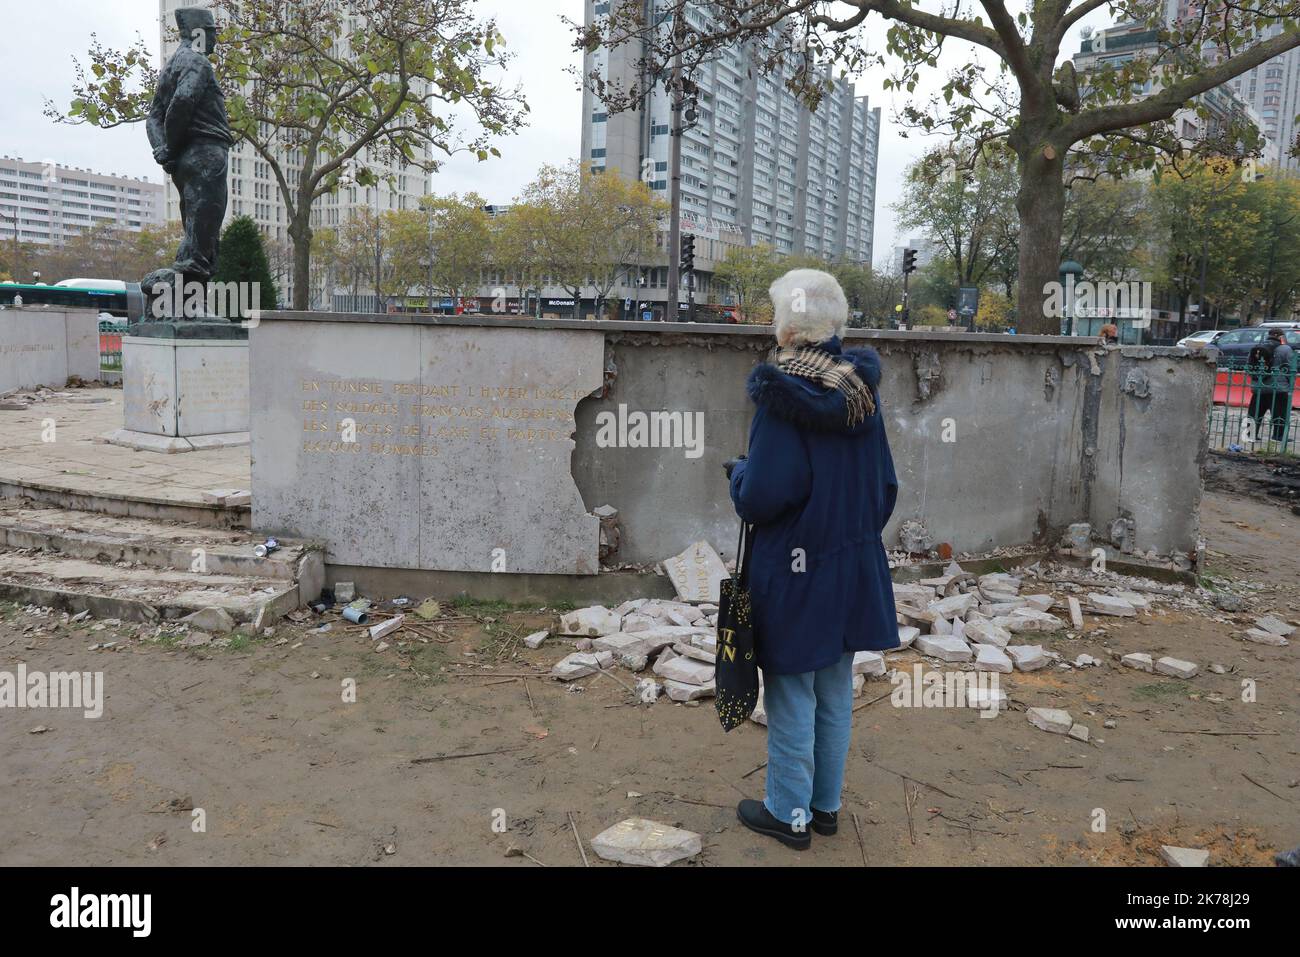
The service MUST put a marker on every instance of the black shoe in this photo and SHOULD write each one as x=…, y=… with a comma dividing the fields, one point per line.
x=825, y=823
x=755, y=816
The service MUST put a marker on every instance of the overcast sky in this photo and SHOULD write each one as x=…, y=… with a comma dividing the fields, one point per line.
x=40, y=40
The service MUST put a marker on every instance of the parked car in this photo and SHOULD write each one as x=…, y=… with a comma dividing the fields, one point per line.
x=1199, y=340
x=1234, y=345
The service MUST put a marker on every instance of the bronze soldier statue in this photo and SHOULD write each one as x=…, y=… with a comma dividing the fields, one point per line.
x=190, y=134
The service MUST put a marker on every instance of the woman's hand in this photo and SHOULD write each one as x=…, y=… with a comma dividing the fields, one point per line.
x=730, y=465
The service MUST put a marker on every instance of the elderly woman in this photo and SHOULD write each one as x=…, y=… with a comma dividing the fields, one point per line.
x=818, y=485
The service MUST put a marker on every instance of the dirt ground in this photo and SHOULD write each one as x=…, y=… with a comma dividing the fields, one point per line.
x=258, y=737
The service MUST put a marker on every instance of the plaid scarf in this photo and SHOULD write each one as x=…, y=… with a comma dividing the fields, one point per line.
x=817, y=365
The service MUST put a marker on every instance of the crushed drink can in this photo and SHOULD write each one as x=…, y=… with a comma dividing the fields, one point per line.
x=266, y=548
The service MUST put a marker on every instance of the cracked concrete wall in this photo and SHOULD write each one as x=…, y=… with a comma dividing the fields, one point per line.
x=997, y=442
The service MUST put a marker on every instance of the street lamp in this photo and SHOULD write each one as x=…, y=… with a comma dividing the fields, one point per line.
x=1070, y=272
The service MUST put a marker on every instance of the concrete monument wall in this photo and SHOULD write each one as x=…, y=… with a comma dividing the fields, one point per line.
x=40, y=346
x=998, y=441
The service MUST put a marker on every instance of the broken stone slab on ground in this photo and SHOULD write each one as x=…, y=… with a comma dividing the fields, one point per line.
x=1076, y=613
x=684, y=670
x=1261, y=637
x=535, y=640
x=868, y=663
x=646, y=843
x=216, y=620
x=913, y=594
x=986, y=699
x=1275, y=626
x=987, y=633
x=591, y=622
x=1029, y=620
x=907, y=634
x=1040, y=602
x=1184, y=856
x=1176, y=668
x=1079, y=732
x=1101, y=604
x=684, y=691
x=992, y=658
x=696, y=573
x=1028, y=657
x=1138, y=660
x=954, y=606
x=1054, y=720
x=943, y=647
x=580, y=664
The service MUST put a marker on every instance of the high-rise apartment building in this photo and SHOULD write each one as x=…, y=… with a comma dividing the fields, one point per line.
x=47, y=204
x=254, y=191
x=1271, y=89
x=1220, y=106
x=757, y=164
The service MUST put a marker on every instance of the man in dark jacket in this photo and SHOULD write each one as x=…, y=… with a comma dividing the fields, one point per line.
x=819, y=485
x=1282, y=375
x=191, y=139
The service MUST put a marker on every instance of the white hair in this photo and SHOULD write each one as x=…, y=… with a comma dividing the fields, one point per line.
x=810, y=307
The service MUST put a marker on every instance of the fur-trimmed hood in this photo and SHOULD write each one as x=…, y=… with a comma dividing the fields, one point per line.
x=812, y=406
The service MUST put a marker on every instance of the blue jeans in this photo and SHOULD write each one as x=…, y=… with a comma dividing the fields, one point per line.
x=809, y=719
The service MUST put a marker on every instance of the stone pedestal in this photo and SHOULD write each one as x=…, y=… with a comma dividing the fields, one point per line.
x=183, y=394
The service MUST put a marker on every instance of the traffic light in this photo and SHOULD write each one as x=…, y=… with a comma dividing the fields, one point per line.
x=909, y=261
x=688, y=253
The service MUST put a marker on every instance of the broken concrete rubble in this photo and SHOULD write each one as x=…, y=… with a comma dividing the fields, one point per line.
x=216, y=620
x=1110, y=605
x=685, y=670
x=697, y=573
x=1138, y=660
x=1177, y=668
x=580, y=664
x=590, y=622
x=1054, y=720
x=1027, y=657
x=868, y=663
x=943, y=647
x=646, y=843
x=685, y=691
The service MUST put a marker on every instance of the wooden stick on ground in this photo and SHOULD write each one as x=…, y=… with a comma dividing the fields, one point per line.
x=581, y=850
x=857, y=826
x=471, y=754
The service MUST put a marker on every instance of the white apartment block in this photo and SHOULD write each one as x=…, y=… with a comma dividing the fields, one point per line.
x=254, y=191
x=47, y=204
x=1115, y=45
x=757, y=164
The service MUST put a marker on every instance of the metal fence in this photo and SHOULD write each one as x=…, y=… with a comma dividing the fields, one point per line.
x=110, y=345
x=1255, y=409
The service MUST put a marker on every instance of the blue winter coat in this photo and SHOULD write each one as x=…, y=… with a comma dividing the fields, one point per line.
x=819, y=494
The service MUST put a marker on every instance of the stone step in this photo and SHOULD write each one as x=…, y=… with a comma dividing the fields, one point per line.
x=134, y=506
x=109, y=539
x=135, y=593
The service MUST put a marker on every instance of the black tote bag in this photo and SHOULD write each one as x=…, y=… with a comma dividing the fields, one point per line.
x=736, y=664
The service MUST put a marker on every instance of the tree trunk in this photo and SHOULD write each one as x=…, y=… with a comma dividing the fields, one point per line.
x=300, y=233
x=1041, y=204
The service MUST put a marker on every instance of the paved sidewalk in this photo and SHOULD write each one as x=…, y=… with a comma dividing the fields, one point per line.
x=75, y=462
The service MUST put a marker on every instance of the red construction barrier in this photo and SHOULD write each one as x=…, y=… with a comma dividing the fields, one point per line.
x=1232, y=387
